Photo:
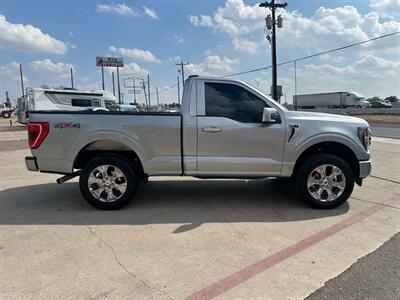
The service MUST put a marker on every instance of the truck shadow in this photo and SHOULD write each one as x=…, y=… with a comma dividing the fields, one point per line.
x=188, y=203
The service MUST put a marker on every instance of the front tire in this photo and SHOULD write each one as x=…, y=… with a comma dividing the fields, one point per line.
x=325, y=181
x=6, y=115
x=108, y=182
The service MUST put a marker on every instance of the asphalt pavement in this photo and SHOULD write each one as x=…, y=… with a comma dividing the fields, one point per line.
x=375, y=276
x=386, y=130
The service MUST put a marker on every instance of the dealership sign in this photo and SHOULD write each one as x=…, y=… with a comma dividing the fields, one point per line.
x=109, y=61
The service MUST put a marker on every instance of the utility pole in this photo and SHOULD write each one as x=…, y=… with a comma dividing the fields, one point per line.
x=295, y=85
x=134, y=91
x=72, y=79
x=182, y=64
x=148, y=88
x=158, y=100
x=145, y=94
x=113, y=82
x=22, y=80
x=271, y=22
x=119, y=87
x=102, y=78
x=179, y=94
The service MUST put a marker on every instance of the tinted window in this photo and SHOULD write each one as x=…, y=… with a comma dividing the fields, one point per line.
x=81, y=102
x=96, y=103
x=233, y=102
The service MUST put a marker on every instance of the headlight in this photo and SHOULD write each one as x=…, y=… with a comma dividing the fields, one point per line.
x=364, y=135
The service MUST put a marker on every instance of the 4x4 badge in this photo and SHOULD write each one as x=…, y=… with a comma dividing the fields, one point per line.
x=67, y=125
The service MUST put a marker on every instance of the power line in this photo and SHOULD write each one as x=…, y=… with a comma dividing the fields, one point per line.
x=314, y=55
x=294, y=60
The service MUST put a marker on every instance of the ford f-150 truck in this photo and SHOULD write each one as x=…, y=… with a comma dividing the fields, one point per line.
x=226, y=129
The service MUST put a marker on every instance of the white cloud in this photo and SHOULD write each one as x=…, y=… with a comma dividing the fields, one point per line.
x=245, y=45
x=333, y=57
x=387, y=8
x=10, y=80
x=145, y=55
x=378, y=66
x=11, y=71
x=48, y=69
x=367, y=75
x=133, y=69
x=178, y=38
x=27, y=38
x=150, y=12
x=213, y=65
x=120, y=9
x=201, y=21
x=234, y=18
x=327, y=28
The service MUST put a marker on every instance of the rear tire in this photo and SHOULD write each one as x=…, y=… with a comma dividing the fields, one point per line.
x=6, y=115
x=325, y=181
x=108, y=182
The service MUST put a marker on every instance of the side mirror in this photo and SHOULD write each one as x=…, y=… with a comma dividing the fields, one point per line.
x=270, y=115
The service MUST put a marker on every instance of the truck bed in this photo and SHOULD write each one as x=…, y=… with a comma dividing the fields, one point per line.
x=156, y=138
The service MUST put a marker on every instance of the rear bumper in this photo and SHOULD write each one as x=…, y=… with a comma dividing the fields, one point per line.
x=365, y=168
x=31, y=164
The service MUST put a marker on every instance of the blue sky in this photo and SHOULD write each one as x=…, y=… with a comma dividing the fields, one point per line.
x=215, y=37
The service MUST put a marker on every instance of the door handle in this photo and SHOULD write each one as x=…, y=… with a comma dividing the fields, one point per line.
x=211, y=129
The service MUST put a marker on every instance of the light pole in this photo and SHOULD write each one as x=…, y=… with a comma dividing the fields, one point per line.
x=22, y=79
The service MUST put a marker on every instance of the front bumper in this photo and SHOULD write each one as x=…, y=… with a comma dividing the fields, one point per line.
x=365, y=167
x=31, y=164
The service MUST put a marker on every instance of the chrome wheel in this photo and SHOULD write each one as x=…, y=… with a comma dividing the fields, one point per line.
x=107, y=183
x=326, y=183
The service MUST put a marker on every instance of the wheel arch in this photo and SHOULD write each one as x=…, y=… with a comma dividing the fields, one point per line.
x=108, y=146
x=335, y=148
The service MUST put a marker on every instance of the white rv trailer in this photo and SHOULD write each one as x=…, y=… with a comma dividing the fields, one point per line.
x=49, y=99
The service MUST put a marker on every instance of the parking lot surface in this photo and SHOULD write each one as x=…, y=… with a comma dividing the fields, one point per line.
x=183, y=237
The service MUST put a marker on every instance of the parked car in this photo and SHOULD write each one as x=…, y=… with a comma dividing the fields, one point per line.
x=226, y=129
x=363, y=104
x=5, y=111
x=381, y=104
x=124, y=107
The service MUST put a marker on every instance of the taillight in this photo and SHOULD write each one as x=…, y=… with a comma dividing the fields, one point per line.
x=37, y=132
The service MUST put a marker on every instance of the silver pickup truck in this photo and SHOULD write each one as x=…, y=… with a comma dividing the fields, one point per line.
x=226, y=129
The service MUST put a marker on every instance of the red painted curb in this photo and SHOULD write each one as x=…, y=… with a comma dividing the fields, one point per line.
x=240, y=276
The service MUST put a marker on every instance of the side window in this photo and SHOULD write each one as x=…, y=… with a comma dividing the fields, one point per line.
x=96, y=103
x=233, y=102
x=81, y=102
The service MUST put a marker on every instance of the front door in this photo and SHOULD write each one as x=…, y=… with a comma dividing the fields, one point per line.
x=232, y=140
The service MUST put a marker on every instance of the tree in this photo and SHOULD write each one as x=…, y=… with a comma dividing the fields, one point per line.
x=375, y=98
x=392, y=99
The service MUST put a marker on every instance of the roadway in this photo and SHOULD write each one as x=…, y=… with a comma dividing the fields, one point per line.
x=386, y=130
